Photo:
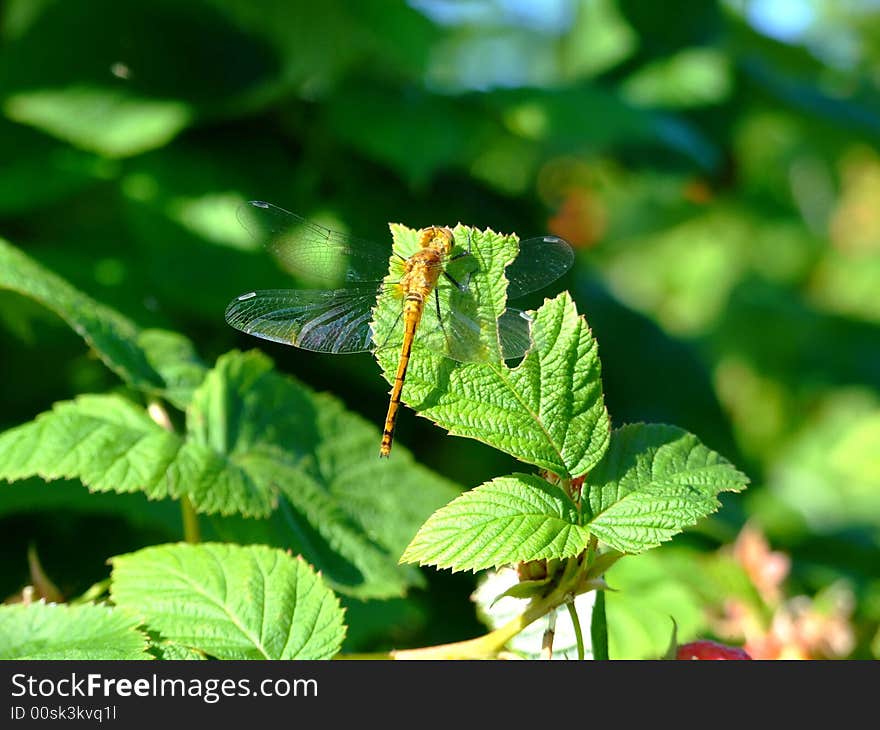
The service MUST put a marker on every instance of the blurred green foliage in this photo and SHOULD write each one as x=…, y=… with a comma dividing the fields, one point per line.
x=715, y=164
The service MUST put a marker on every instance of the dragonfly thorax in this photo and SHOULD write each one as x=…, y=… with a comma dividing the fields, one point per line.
x=437, y=238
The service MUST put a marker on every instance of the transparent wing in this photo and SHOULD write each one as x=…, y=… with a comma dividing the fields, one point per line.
x=323, y=320
x=541, y=261
x=311, y=251
x=514, y=330
x=464, y=337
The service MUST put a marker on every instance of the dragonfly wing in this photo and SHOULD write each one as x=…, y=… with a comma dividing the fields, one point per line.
x=322, y=320
x=514, y=333
x=541, y=261
x=311, y=251
x=466, y=338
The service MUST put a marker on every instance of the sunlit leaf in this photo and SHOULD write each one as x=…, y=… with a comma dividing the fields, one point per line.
x=653, y=481
x=58, y=631
x=508, y=520
x=231, y=602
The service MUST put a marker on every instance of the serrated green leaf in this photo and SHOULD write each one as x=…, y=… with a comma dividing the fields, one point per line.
x=507, y=520
x=348, y=512
x=174, y=357
x=257, y=444
x=58, y=631
x=230, y=601
x=171, y=651
x=154, y=361
x=111, y=444
x=483, y=302
x=654, y=481
x=548, y=411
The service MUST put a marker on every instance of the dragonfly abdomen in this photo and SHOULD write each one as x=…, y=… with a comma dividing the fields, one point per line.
x=413, y=306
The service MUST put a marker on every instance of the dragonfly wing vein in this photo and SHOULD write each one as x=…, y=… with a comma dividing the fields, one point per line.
x=311, y=251
x=540, y=262
x=336, y=320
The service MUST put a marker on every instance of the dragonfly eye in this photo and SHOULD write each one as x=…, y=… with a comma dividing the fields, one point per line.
x=437, y=238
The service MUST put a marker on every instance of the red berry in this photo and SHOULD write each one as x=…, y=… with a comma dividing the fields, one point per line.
x=706, y=649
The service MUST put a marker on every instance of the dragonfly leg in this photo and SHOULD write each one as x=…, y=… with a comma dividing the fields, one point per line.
x=457, y=285
x=390, y=331
x=440, y=314
x=457, y=256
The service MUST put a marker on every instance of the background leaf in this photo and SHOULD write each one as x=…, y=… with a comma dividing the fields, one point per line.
x=257, y=444
x=110, y=443
x=231, y=602
x=58, y=631
x=646, y=595
x=347, y=511
x=143, y=359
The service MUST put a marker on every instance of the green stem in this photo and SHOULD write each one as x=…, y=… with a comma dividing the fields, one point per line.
x=92, y=593
x=578, y=634
x=599, y=628
x=487, y=646
x=549, y=635
x=191, y=531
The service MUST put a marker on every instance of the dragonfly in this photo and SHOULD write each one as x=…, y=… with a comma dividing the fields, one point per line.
x=348, y=276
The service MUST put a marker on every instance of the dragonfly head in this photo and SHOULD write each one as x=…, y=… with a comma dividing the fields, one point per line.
x=437, y=238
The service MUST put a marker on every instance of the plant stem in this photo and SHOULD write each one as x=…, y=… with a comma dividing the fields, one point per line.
x=599, y=628
x=576, y=623
x=549, y=634
x=191, y=531
x=92, y=593
x=487, y=646
x=189, y=516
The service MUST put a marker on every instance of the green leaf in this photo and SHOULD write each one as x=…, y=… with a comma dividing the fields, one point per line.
x=548, y=411
x=57, y=631
x=257, y=444
x=111, y=444
x=34, y=496
x=154, y=361
x=112, y=122
x=691, y=77
x=96, y=84
x=175, y=359
x=38, y=169
x=170, y=650
x=348, y=512
x=510, y=519
x=231, y=602
x=654, y=481
x=646, y=594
